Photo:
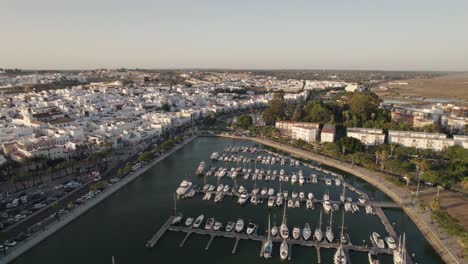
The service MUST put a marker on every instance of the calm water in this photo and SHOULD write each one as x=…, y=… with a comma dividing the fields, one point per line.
x=121, y=225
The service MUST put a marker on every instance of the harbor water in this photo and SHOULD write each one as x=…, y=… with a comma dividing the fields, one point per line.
x=121, y=224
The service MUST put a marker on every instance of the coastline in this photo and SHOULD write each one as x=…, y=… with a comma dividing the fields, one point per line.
x=399, y=195
x=75, y=213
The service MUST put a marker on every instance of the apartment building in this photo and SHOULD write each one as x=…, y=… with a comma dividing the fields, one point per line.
x=421, y=140
x=368, y=136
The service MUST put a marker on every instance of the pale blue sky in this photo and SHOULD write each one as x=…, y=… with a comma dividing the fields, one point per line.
x=285, y=34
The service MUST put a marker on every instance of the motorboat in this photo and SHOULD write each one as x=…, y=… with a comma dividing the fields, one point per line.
x=355, y=208
x=373, y=258
x=349, y=199
x=215, y=156
x=271, y=201
x=284, y=250
x=329, y=231
x=239, y=225
x=211, y=188
x=309, y=204
x=268, y=245
x=296, y=232
x=253, y=199
x=348, y=207
x=328, y=182
x=217, y=226
x=220, y=188
x=183, y=187
x=362, y=200
x=294, y=178
x=342, y=195
x=340, y=256
x=343, y=239
x=218, y=197
x=326, y=196
x=369, y=209
x=209, y=223
x=264, y=191
x=188, y=221
x=297, y=204
x=274, y=231
x=301, y=179
x=306, y=232
x=242, y=199
x=226, y=188
x=285, y=194
x=177, y=219
x=314, y=178
x=241, y=189
x=327, y=206
x=337, y=182
x=206, y=187
x=318, y=231
x=336, y=207
x=255, y=191
x=301, y=195
x=201, y=168
x=251, y=227
x=198, y=221
x=294, y=195
x=271, y=191
x=290, y=204
x=391, y=242
x=207, y=196
x=189, y=194
x=279, y=201
x=310, y=196
x=379, y=242
x=229, y=226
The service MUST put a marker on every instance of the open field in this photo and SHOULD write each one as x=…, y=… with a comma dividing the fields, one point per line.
x=454, y=86
x=455, y=203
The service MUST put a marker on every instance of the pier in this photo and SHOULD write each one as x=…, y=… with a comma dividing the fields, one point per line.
x=260, y=238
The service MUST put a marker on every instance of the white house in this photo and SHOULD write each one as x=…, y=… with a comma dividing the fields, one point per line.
x=307, y=133
x=328, y=133
x=354, y=87
x=422, y=140
x=368, y=136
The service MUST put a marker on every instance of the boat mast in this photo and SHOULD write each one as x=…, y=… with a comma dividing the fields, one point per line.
x=342, y=228
x=320, y=225
x=269, y=228
x=175, y=205
x=331, y=217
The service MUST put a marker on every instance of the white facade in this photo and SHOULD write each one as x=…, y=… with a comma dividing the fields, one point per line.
x=421, y=140
x=328, y=134
x=353, y=87
x=461, y=141
x=368, y=136
x=308, y=134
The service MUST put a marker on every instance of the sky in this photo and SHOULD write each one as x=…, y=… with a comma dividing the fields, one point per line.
x=236, y=34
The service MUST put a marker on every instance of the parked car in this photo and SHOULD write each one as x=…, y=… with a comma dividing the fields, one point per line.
x=38, y=206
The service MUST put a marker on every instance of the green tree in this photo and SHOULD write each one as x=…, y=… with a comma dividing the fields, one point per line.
x=298, y=114
x=350, y=144
x=276, y=109
x=317, y=112
x=362, y=105
x=145, y=156
x=244, y=121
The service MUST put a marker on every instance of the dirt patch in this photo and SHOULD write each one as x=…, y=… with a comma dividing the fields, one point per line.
x=455, y=203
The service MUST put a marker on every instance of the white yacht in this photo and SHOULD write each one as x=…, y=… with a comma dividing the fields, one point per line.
x=290, y=204
x=209, y=223
x=206, y=187
x=301, y=179
x=355, y=208
x=271, y=191
x=214, y=156
x=337, y=182
x=229, y=226
x=310, y=196
x=369, y=209
x=271, y=201
x=253, y=199
x=285, y=194
x=241, y=189
x=318, y=231
x=218, y=197
x=301, y=195
x=251, y=227
x=328, y=182
x=294, y=178
x=220, y=188
x=347, y=207
x=306, y=232
x=211, y=188
x=177, y=219
x=329, y=232
x=207, y=196
x=342, y=195
x=284, y=250
x=226, y=188
x=296, y=232
x=183, y=187
x=327, y=206
x=373, y=258
x=391, y=242
x=239, y=225
x=188, y=221
x=326, y=196
x=198, y=221
x=362, y=200
x=274, y=231
x=379, y=242
x=294, y=195
x=255, y=191
x=201, y=168
x=242, y=199
x=279, y=201
x=340, y=256
x=297, y=204
x=309, y=204
x=264, y=191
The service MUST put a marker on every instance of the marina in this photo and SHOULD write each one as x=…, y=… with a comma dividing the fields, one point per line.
x=180, y=244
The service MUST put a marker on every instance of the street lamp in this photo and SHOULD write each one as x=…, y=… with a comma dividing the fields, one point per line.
x=419, y=180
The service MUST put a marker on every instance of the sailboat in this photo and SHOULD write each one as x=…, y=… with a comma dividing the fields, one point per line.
x=329, y=232
x=284, y=249
x=284, y=231
x=306, y=231
x=177, y=217
x=274, y=229
x=399, y=255
x=268, y=246
x=340, y=256
x=342, y=196
x=318, y=231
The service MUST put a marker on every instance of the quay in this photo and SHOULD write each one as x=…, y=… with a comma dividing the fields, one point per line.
x=259, y=238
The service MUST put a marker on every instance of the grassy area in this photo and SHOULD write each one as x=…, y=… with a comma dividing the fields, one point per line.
x=451, y=226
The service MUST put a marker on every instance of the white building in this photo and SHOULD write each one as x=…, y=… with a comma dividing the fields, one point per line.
x=368, y=136
x=461, y=141
x=421, y=140
x=328, y=133
x=307, y=133
x=353, y=87
x=286, y=127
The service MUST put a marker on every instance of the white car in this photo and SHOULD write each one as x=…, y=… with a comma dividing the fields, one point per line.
x=39, y=206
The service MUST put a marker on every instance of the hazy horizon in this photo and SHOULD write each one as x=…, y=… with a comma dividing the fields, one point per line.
x=242, y=35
